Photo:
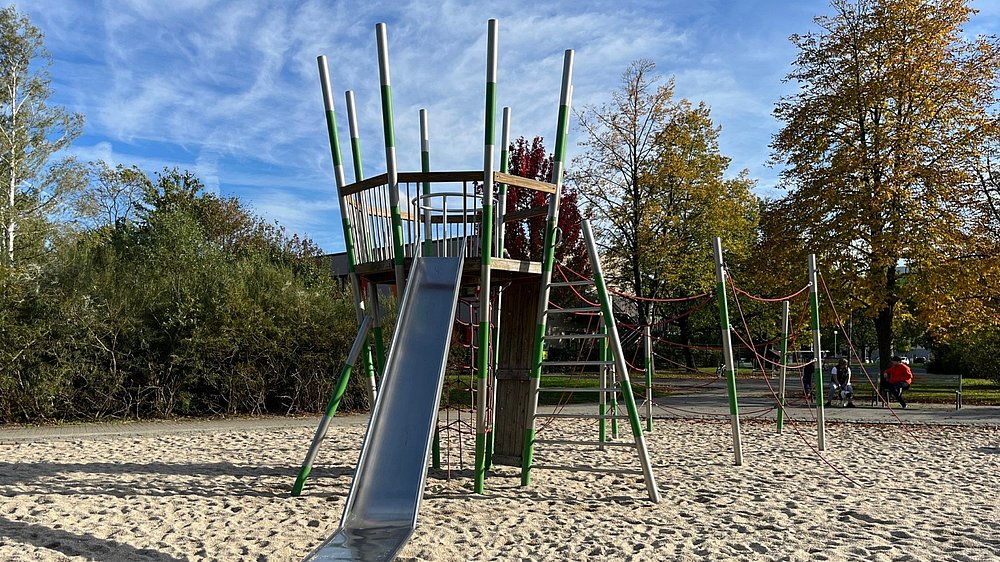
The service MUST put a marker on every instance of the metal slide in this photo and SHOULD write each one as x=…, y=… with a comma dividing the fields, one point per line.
x=381, y=510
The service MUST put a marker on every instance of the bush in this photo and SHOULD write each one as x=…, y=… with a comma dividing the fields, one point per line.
x=198, y=308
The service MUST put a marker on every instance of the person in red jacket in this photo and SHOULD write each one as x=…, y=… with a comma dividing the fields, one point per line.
x=896, y=379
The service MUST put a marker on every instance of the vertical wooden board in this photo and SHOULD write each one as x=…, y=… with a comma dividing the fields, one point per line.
x=518, y=318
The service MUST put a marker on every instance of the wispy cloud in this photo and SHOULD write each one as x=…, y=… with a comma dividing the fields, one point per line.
x=229, y=88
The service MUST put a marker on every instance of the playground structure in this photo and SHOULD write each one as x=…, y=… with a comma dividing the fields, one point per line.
x=438, y=236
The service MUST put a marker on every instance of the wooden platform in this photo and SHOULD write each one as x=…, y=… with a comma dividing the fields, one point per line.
x=383, y=272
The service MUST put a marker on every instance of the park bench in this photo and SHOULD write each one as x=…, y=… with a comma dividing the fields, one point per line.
x=931, y=383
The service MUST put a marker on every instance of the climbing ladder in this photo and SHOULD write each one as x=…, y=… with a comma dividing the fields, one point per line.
x=612, y=362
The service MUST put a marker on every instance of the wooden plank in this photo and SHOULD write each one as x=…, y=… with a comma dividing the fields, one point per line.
x=518, y=181
x=472, y=218
x=538, y=211
x=365, y=185
x=524, y=266
x=440, y=177
x=517, y=329
x=385, y=214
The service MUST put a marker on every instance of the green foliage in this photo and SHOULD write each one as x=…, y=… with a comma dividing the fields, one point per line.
x=656, y=185
x=971, y=355
x=33, y=184
x=198, y=307
x=880, y=143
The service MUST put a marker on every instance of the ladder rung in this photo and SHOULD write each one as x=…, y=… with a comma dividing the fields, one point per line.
x=584, y=469
x=576, y=389
x=579, y=283
x=575, y=336
x=573, y=442
x=576, y=363
x=582, y=416
x=574, y=309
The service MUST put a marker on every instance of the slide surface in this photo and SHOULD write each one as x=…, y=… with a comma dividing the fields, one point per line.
x=381, y=510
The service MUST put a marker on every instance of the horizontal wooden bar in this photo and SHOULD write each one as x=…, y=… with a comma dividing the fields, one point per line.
x=385, y=213
x=365, y=185
x=518, y=181
x=538, y=211
x=440, y=177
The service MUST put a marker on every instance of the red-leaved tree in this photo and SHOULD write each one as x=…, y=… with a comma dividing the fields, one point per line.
x=524, y=239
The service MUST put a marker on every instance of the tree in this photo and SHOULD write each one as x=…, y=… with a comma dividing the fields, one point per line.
x=195, y=307
x=879, y=144
x=655, y=180
x=113, y=195
x=31, y=134
x=524, y=239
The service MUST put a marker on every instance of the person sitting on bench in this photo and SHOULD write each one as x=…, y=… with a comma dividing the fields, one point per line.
x=895, y=380
x=840, y=385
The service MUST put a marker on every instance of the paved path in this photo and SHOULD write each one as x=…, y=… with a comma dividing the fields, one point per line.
x=698, y=398
x=15, y=434
x=695, y=399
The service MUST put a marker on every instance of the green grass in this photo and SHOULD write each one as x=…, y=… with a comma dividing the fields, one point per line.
x=980, y=391
x=456, y=393
x=974, y=391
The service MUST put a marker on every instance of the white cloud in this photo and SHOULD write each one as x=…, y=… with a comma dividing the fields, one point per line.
x=229, y=88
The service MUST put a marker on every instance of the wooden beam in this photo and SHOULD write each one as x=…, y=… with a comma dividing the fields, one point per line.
x=518, y=181
x=538, y=211
x=365, y=185
x=384, y=213
x=440, y=177
x=413, y=177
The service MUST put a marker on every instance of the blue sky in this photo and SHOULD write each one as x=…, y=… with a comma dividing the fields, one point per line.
x=229, y=89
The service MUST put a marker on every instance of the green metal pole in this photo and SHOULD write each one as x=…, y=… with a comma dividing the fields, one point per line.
x=332, y=405
x=505, y=168
x=392, y=174
x=602, y=423
x=499, y=229
x=338, y=173
x=727, y=352
x=486, y=238
x=782, y=359
x=548, y=260
x=623, y=378
x=365, y=240
x=611, y=371
x=817, y=357
x=648, y=339
x=425, y=166
x=373, y=358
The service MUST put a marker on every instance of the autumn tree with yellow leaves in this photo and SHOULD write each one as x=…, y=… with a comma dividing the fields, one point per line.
x=880, y=147
x=656, y=187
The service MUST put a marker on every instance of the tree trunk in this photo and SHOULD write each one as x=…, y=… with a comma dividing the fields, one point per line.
x=685, y=328
x=883, y=320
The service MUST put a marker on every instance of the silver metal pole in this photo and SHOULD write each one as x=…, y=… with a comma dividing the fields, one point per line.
x=338, y=172
x=622, y=367
x=390, y=156
x=486, y=236
x=727, y=352
x=352, y=357
x=505, y=168
x=784, y=362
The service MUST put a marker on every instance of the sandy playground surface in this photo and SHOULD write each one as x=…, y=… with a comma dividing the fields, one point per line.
x=880, y=492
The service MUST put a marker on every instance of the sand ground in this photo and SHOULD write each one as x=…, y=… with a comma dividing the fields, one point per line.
x=203, y=491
